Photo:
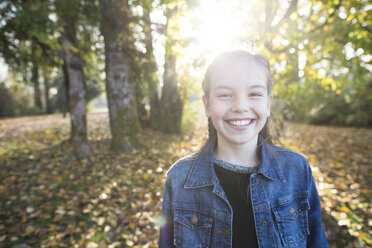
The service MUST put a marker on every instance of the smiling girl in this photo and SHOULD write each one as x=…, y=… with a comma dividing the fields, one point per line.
x=240, y=190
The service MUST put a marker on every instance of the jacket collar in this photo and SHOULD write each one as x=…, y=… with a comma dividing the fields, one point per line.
x=202, y=173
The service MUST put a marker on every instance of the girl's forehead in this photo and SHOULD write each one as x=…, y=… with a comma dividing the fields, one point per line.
x=243, y=74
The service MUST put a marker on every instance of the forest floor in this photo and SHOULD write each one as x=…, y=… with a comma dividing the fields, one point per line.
x=50, y=199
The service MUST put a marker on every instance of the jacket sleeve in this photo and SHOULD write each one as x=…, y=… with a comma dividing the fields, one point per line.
x=166, y=231
x=317, y=238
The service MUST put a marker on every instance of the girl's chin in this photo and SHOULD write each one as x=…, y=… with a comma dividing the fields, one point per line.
x=240, y=141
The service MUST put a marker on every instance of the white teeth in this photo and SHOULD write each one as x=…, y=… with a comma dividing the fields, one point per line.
x=240, y=123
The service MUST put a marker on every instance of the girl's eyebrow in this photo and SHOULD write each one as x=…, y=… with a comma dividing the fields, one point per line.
x=223, y=87
x=250, y=87
x=258, y=86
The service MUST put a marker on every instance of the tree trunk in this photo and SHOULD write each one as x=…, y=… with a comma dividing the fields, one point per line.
x=150, y=72
x=125, y=128
x=66, y=107
x=76, y=90
x=47, y=100
x=171, y=102
x=143, y=115
x=35, y=81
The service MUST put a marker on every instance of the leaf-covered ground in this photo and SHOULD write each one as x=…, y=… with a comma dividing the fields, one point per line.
x=49, y=199
x=341, y=159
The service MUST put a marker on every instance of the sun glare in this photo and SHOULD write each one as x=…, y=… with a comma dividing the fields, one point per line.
x=218, y=26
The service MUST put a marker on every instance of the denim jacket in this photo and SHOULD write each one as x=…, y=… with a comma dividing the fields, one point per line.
x=285, y=203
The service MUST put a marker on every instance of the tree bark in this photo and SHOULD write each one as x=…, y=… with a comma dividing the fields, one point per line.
x=124, y=123
x=76, y=90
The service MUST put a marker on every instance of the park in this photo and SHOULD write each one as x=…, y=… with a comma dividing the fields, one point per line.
x=98, y=99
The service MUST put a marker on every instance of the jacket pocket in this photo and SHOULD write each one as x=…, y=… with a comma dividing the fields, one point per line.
x=291, y=217
x=192, y=228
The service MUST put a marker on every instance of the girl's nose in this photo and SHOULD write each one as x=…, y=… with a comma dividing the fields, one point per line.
x=240, y=105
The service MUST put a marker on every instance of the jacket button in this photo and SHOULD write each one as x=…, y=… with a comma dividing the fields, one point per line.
x=194, y=219
x=264, y=223
x=256, y=181
x=224, y=232
x=223, y=192
x=293, y=211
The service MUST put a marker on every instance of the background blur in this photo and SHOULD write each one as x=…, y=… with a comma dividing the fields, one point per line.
x=320, y=52
x=98, y=98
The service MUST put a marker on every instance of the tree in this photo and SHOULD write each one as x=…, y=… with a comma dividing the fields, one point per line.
x=125, y=128
x=25, y=25
x=68, y=12
x=150, y=69
x=171, y=102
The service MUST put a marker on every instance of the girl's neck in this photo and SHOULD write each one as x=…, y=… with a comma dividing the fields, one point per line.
x=239, y=154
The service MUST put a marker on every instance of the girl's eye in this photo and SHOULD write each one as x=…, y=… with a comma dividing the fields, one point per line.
x=256, y=94
x=225, y=96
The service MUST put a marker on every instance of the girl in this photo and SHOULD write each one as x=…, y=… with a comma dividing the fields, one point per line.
x=240, y=190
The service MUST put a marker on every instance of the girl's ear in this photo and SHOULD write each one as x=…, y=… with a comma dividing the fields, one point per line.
x=206, y=106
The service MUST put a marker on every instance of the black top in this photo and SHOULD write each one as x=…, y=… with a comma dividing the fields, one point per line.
x=234, y=181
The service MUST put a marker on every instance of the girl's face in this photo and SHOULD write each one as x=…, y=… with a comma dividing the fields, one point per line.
x=238, y=103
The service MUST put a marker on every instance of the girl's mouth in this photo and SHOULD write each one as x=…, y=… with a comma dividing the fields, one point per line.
x=240, y=123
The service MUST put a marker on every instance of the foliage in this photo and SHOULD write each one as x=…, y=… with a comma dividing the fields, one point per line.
x=49, y=199
x=22, y=106
x=319, y=50
x=327, y=72
x=29, y=38
x=15, y=103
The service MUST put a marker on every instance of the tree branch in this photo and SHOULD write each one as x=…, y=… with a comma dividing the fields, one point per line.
x=292, y=7
x=269, y=47
x=326, y=22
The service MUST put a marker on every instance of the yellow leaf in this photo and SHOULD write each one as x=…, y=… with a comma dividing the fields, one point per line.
x=141, y=195
x=345, y=210
x=59, y=178
x=24, y=219
x=82, y=223
x=132, y=226
x=134, y=206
